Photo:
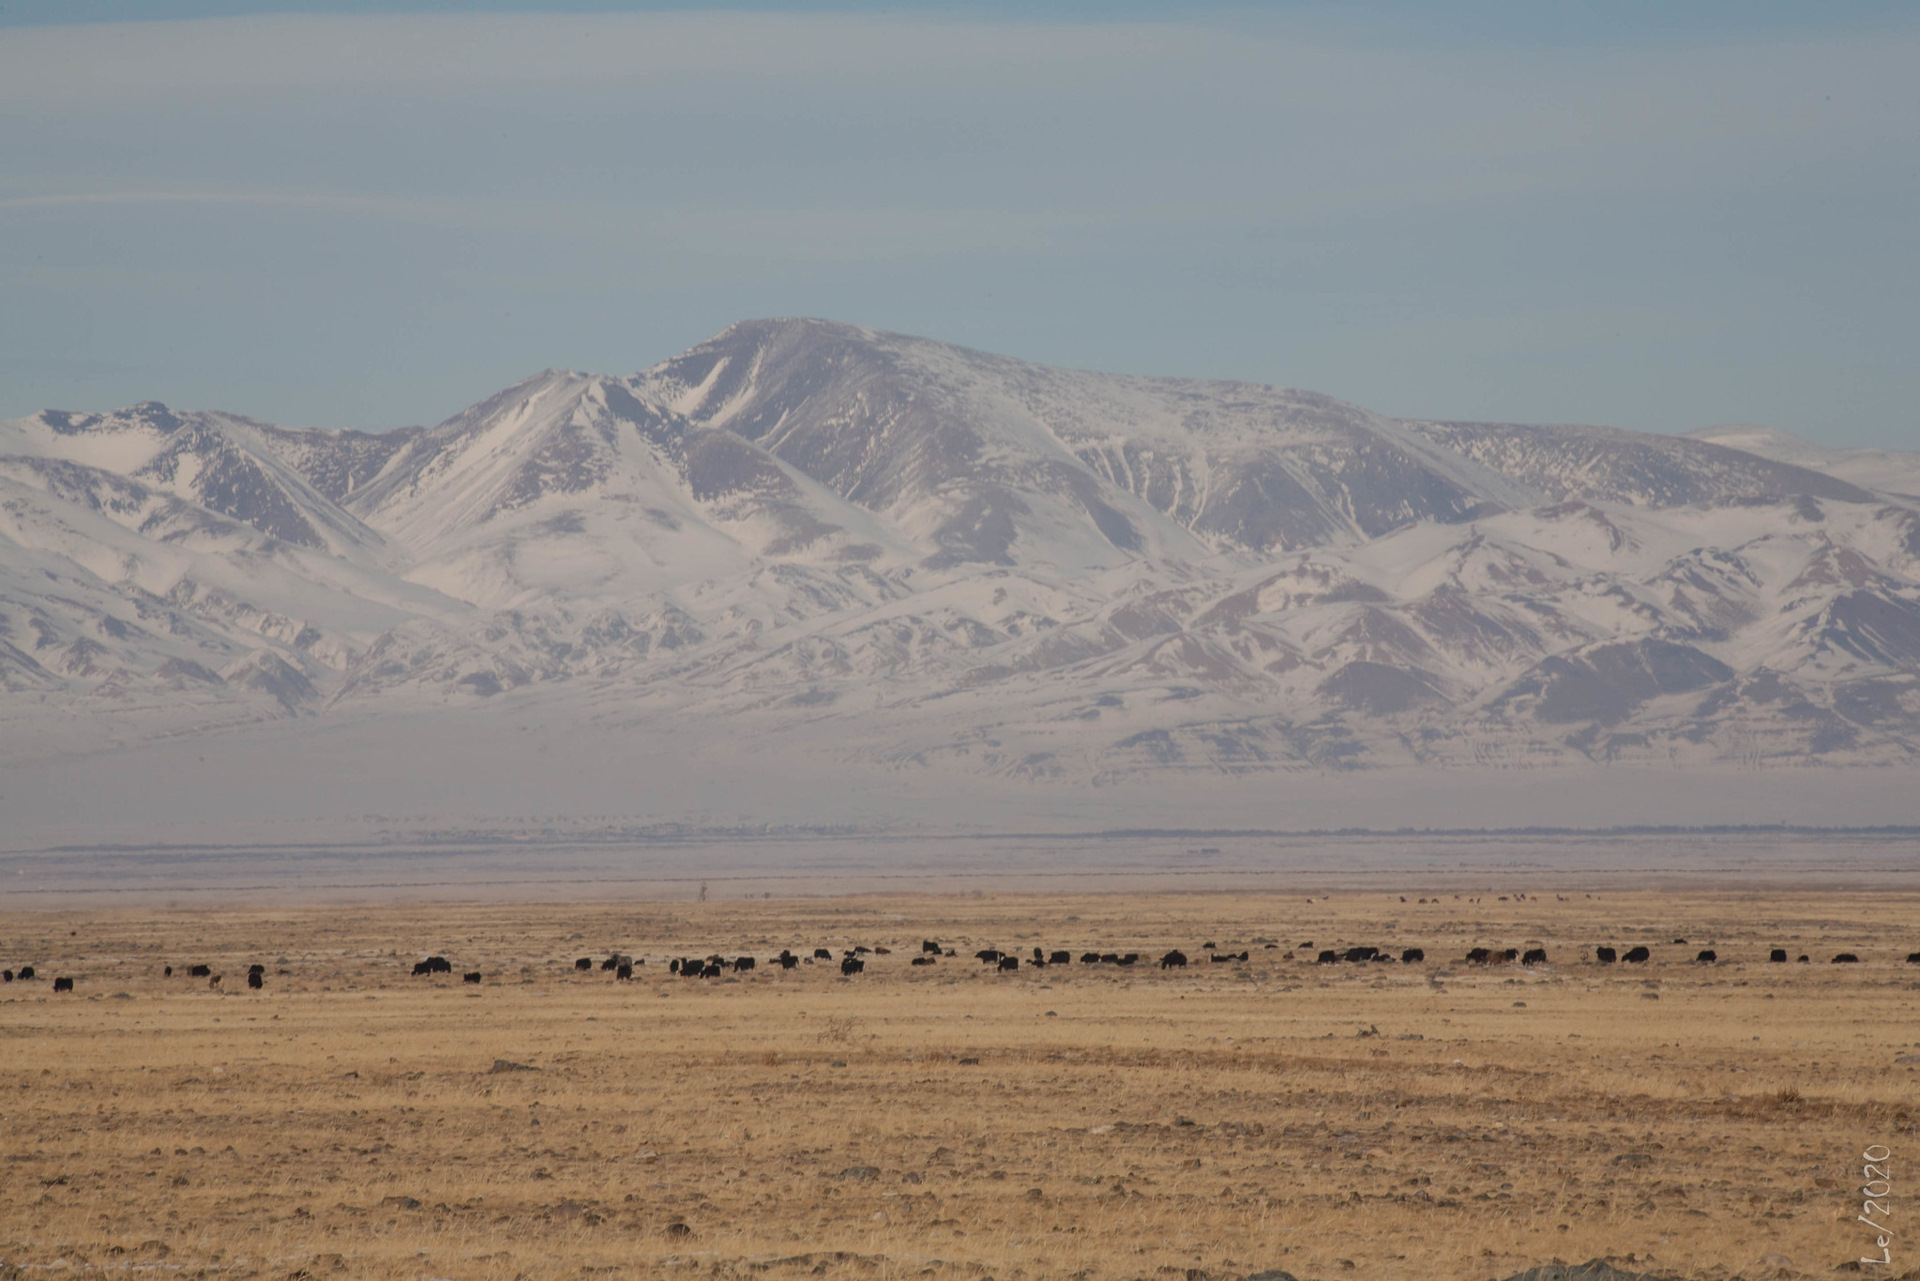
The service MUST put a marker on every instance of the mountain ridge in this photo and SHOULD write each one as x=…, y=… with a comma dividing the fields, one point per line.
x=915, y=558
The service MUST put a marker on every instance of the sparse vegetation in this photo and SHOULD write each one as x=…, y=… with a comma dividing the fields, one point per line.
x=1437, y=1120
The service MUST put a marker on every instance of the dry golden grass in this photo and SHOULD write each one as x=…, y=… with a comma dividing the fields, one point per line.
x=1432, y=1121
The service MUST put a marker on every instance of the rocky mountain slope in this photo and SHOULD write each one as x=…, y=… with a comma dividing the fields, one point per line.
x=911, y=557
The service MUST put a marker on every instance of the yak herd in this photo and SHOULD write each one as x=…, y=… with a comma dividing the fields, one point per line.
x=853, y=961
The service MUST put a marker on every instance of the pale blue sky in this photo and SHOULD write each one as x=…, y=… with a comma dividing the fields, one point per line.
x=1655, y=216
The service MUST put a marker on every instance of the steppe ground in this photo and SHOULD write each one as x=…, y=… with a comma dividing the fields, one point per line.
x=1436, y=1120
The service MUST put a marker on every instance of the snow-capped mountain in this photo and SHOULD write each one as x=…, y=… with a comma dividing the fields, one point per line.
x=911, y=557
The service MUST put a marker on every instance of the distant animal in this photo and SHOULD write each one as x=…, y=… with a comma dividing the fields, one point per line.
x=1480, y=956
x=740, y=963
x=63, y=985
x=622, y=975
x=673, y=966
x=214, y=981
x=194, y=971
x=710, y=971
x=787, y=960
x=470, y=977
x=168, y=973
x=26, y=973
x=6, y=976
x=1535, y=956
x=1607, y=956
x=1779, y=956
x=584, y=963
x=1801, y=959
x=1707, y=956
x=1511, y=955
x=1913, y=958
x=822, y=954
x=1109, y=958
x=1846, y=958
x=1208, y=947
x=256, y=968
x=852, y=965
x=1679, y=942
x=987, y=955
x=1009, y=963
x=1089, y=958
x=1637, y=956
x=861, y=949
x=930, y=947
x=256, y=980
x=882, y=951
x=1060, y=958
x=1328, y=957
x=1174, y=960
x=1128, y=959
x=1355, y=955
x=922, y=960
x=1413, y=956
x=1039, y=956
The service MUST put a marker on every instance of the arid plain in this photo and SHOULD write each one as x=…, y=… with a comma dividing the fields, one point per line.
x=1430, y=1120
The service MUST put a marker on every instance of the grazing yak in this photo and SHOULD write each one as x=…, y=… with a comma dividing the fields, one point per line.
x=1327, y=957
x=193, y=972
x=1605, y=955
x=929, y=948
x=1913, y=958
x=622, y=975
x=256, y=980
x=1637, y=956
x=1174, y=960
x=822, y=954
x=922, y=960
x=787, y=959
x=1846, y=958
x=852, y=965
x=1535, y=956
x=1060, y=958
x=1480, y=956
x=1009, y=963
x=433, y=965
x=1779, y=956
x=63, y=985
x=470, y=977
x=6, y=976
x=584, y=963
x=1707, y=957
x=26, y=973
x=1355, y=955
x=1413, y=956
x=987, y=955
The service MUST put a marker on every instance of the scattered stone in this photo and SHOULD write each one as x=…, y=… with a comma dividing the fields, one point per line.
x=1591, y=1270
